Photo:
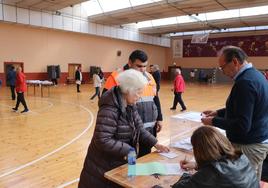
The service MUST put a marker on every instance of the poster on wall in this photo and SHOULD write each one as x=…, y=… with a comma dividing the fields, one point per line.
x=177, y=46
x=252, y=45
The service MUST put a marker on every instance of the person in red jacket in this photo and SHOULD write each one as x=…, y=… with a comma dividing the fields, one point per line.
x=20, y=89
x=179, y=87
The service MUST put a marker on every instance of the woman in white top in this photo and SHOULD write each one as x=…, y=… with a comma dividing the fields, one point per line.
x=97, y=84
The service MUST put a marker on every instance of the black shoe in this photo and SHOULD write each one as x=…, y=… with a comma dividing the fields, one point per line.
x=25, y=110
x=172, y=108
x=78, y=91
x=183, y=109
x=15, y=109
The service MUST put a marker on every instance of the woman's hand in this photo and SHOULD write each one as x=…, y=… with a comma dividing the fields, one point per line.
x=161, y=148
x=187, y=165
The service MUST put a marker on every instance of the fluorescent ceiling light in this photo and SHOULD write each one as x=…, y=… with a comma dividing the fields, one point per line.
x=94, y=7
x=257, y=28
x=111, y=5
x=142, y=2
x=91, y=7
x=209, y=16
x=164, y=21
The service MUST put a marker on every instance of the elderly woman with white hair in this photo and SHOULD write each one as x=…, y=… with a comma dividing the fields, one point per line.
x=118, y=129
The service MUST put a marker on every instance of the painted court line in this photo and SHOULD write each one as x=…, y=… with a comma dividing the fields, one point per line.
x=31, y=112
x=68, y=183
x=56, y=150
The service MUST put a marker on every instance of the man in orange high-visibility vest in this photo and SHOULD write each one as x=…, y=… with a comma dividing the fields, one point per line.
x=148, y=106
x=111, y=81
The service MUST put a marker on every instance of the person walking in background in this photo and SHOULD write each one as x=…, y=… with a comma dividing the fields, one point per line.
x=179, y=87
x=97, y=84
x=101, y=74
x=11, y=80
x=78, y=78
x=20, y=89
x=192, y=75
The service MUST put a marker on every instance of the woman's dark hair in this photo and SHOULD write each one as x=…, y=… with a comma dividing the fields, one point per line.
x=210, y=145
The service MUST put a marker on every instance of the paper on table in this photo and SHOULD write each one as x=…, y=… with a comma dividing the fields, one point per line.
x=145, y=169
x=192, y=116
x=173, y=169
x=169, y=155
x=183, y=144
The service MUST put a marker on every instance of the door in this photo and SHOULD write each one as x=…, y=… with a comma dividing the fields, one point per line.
x=71, y=70
x=7, y=67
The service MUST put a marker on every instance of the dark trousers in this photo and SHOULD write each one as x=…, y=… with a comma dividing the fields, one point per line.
x=77, y=87
x=144, y=149
x=97, y=92
x=12, y=89
x=178, y=99
x=20, y=99
x=55, y=81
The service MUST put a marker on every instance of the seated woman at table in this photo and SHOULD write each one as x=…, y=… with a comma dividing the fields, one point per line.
x=217, y=163
x=118, y=128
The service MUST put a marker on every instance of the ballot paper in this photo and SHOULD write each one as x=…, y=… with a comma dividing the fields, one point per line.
x=192, y=116
x=145, y=169
x=183, y=144
x=169, y=155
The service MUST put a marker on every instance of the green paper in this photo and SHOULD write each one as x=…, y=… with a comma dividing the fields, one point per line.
x=145, y=169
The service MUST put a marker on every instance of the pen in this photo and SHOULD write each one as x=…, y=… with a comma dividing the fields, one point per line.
x=185, y=158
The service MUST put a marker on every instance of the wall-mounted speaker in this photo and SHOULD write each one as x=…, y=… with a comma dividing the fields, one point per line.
x=119, y=53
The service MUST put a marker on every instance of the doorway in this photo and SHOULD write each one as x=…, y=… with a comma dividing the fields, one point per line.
x=7, y=67
x=71, y=72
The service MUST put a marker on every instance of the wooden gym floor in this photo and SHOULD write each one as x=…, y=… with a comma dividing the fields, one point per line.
x=47, y=146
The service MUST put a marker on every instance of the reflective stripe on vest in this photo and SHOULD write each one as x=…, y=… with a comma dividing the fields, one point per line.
x=146, y=99
x=149, y=124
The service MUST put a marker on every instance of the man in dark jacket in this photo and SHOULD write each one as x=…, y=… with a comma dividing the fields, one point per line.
x=157, y=76
x=245, y=117
x=78, y=79
x=11, y=79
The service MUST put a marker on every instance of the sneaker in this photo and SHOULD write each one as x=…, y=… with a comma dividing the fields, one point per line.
x=15, y=109
x=172, y=108
x=183, y=110
x=25, y=110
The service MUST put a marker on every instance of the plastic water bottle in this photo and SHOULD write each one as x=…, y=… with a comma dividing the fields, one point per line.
x=131, y=158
